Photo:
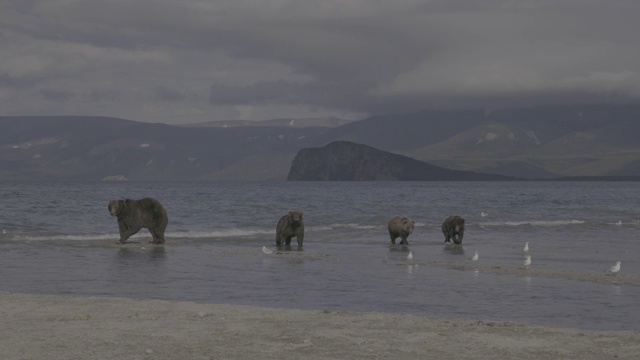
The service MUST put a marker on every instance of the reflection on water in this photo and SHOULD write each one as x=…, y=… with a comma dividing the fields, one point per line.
x=412, y=268
x=291, y=247
x=399, y=248
x=151, y=252
x=330, y=277
x=453, y=249
x=617, y=289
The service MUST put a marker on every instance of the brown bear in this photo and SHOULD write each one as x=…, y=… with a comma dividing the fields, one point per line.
x=289, y=226
x=453, y=228
x=400, y=227
x=136, y=214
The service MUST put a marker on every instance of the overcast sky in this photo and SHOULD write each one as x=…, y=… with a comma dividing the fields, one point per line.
x=179, y=61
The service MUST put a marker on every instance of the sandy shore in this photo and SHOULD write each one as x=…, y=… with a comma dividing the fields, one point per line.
x=58, y=327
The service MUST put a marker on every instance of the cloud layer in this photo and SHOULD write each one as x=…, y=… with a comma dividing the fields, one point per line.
x=198, y=60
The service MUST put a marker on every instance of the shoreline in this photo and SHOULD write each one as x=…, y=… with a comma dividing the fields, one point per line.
x=74, y=327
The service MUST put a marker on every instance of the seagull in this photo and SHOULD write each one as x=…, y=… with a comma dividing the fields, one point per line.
x=483, y=214
x=619, y=222
x=266, y=251
x=614, y=269
x=526, y=262
x=475, y=257
x=526, y=247
x=410, y=256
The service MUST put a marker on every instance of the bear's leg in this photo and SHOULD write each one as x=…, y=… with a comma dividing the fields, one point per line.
x=122, y=227
x=124, y=235
x=158, y=231
x=404, y=240
x=300, y=238
x=158, y=236
x=288, y=240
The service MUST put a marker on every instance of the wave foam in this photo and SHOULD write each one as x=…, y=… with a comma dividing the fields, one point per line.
x=235, y=232
x=346, y=226
x=142, y=235
x=534, y=223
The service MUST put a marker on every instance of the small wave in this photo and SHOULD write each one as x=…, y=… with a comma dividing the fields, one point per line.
x=60, y=237
x=534, y=223
x=142, y=235
x=220, y=233
x=624, y=223
x=347, y=226
x=319, y=228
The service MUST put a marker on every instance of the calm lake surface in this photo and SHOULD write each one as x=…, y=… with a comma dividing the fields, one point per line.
x=58, y=238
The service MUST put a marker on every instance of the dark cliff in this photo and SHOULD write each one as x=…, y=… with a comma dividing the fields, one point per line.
x=347, y=161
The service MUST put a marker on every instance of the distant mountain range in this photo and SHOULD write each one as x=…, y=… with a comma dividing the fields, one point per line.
x=540, y=142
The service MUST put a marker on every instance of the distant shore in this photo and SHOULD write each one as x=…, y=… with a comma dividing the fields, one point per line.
x=62, y=327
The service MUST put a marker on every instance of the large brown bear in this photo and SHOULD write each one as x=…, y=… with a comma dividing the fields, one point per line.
x=400, y=227
x=136, y=214
x=289, y=226
x=453, y=228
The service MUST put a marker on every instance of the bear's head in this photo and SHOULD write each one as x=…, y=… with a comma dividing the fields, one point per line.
x=407, y=225
x=115, y=206
x=295, y=217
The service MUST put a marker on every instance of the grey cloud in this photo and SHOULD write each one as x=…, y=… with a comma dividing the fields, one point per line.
x=56, y=95
x=176, y=95
x=343, y=95
x=166, y=94
x=7, y=81
x=147, y=57
x=102, y=95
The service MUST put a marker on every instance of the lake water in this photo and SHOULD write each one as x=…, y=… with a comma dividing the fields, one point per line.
x=58, y=238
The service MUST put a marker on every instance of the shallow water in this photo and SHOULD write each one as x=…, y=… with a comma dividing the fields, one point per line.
x=60, y=239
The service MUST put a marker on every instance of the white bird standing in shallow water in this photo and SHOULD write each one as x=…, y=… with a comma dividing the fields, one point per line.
x=614, y=269
x=526, y=262
x=483, y=214
x=410, y=256
x=266, y=251
x=526, y=247
x=475, y=257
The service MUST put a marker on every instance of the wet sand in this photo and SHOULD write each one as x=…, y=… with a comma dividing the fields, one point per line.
x=61, y=327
